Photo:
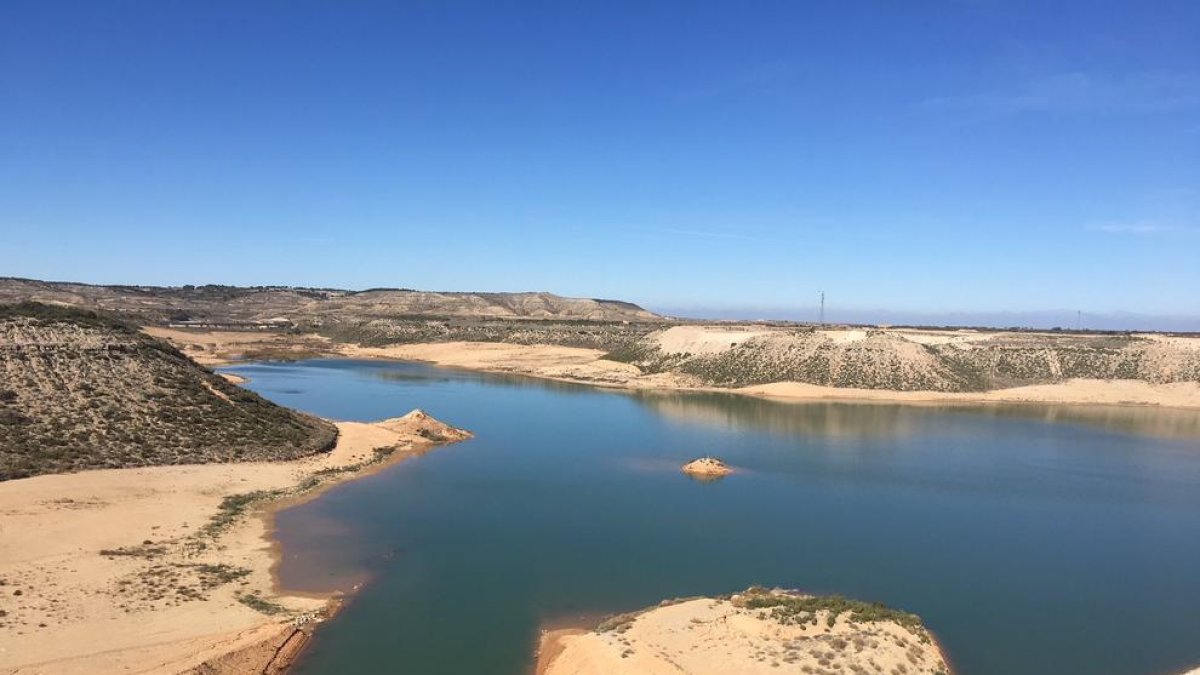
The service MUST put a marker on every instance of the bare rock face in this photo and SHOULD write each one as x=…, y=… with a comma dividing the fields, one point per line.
x=426, y=426
x=707, y=467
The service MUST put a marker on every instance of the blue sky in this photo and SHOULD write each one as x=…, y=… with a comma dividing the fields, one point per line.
x=920, y=158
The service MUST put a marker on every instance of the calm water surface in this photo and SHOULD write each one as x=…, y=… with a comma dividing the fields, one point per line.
x=1030, y=539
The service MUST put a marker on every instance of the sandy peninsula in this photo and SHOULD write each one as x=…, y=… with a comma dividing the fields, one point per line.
x=588, y=366
x=169, y=569
x=218, y=348
x=552, y=362
x=757, y=631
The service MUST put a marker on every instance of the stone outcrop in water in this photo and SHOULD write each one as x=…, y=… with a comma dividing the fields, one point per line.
x=707, y=467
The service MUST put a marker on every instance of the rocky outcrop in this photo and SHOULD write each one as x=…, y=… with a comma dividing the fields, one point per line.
x=426, y=426
x=707, y=467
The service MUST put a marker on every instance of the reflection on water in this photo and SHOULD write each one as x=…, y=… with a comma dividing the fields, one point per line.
x=1132, y=419
x=1028, y=546
x=734, y=412
x=882, y=419
x=463, y=375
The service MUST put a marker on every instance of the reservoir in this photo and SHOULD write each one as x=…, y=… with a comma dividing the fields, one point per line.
x=1030, y=539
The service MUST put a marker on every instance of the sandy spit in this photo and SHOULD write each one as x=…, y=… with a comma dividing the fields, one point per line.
x=114, y=570
x=708, y=636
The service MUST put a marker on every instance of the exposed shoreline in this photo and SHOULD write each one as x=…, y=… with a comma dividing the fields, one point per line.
x=587, y=367
x=223, y=635
x=105, y=577
x=755, y=631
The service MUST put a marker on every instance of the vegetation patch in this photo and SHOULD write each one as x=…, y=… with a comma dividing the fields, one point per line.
x=795, y=609
x=618, y=623
x=259, y=604
x=233, y=507
x=146, y=549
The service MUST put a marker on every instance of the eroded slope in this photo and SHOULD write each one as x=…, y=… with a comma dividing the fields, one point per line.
x=903, y=360
x=83, y=391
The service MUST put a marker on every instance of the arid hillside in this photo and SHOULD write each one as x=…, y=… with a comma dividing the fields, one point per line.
x=288, y=323
x=278, y=305
x=80, y=390
x=908, y=359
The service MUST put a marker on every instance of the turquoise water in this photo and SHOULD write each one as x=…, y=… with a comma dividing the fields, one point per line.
x=1028, y=546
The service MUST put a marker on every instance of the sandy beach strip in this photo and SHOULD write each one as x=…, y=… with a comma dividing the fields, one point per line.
x=1076, y=392
x=149, y=570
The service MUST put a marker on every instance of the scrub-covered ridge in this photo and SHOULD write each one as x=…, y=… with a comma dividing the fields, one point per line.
x=81, y=390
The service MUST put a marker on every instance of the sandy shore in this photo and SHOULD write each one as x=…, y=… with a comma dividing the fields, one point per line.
x=136, y=570
x=1076, y=391
x=587, y=366
x=709, y=636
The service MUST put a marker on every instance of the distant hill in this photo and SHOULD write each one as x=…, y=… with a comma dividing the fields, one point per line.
x=308, y=306
x=908, y=359
x=81, y=390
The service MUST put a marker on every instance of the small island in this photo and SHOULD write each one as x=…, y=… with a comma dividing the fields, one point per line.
x=756, y=631
x=707, y=468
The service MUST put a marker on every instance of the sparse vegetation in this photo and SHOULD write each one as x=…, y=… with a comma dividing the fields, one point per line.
x=146, y=550
x=259, y=604
x=233, y=507
x=257, y=306
x=618, y=622
x=82, y=390
x=793, y=609
x=883, y=360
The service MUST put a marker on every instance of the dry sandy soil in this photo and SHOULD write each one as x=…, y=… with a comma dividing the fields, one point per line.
x=572, y=364
x=717, y=637
x=215, y=348
x=132, y=570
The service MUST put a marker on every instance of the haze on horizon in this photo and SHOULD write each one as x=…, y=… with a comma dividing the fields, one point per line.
x=970, y=162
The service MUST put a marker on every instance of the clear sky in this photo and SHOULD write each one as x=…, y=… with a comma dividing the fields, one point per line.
x=931, y=157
